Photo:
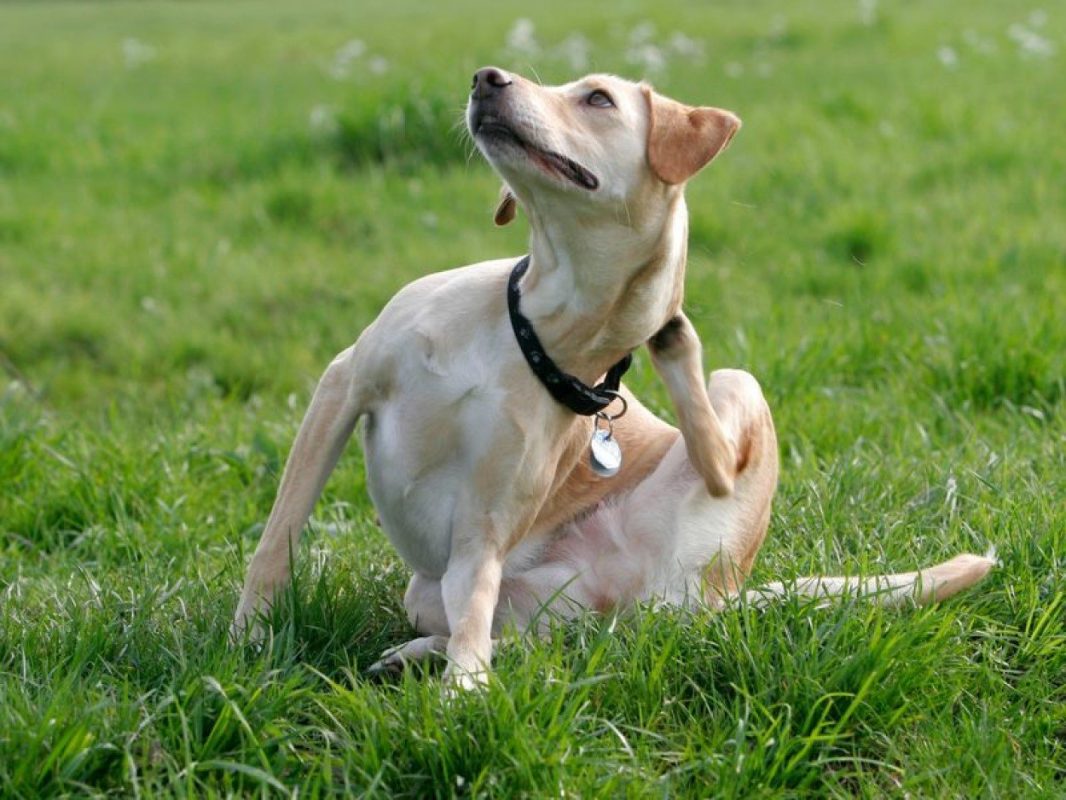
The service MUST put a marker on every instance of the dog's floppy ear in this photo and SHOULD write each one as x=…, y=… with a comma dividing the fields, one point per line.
x=682, y=139
x=507, y=208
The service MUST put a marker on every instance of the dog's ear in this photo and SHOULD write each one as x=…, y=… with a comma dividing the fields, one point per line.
x=682, y=139
x=507, y=207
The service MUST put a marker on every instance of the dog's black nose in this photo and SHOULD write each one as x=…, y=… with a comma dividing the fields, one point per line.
x=489, y=81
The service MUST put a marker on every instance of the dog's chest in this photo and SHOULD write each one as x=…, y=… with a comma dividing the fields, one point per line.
x=424, y=443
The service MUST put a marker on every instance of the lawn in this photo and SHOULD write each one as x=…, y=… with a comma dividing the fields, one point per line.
x=201, y=203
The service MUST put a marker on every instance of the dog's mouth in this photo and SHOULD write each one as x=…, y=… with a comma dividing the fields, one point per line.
x=491, y=129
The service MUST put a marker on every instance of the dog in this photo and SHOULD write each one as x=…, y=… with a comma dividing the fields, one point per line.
x=477, y=462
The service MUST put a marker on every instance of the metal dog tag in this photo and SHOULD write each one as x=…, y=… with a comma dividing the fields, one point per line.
x=605, y=456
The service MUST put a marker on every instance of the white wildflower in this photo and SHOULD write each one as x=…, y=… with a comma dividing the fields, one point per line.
x=642, y=33
x=978, y=43
x=734, y=69
x=948, y=57
x=868, y=12
x=322, y=120
x=135, y=52
x=1030, y=43
x=521, y=39
x=345, y=57
x=778, y=28
x=351, y=50
x=687, y=47
x=575, y=49
x=378, y=65
x=647, y=56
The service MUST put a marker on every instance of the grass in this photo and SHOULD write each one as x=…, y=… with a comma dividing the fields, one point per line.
x=201, y=203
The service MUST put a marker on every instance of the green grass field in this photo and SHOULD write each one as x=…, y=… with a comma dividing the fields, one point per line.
x=200, y=203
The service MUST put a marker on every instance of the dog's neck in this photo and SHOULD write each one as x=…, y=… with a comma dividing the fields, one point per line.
x=598, y=289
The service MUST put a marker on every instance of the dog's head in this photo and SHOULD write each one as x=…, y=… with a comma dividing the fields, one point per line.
x=596, y=143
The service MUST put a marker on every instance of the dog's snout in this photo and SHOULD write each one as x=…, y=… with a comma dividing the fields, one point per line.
x=489, y=81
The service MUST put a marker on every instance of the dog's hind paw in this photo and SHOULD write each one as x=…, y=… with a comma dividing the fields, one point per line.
x=394, y=660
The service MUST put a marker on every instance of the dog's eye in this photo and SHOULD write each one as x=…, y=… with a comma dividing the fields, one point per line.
x=600, y=99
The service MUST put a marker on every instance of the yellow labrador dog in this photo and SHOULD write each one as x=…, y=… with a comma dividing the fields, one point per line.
x=506, y=474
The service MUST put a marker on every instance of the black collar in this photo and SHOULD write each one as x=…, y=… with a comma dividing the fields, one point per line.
x=566, y=389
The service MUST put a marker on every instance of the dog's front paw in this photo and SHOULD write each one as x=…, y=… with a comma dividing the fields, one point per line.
x=458, y=680
x=248, y=626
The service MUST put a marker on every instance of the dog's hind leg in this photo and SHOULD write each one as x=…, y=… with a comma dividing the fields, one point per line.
x=325, y=430
x=714, y=539
x=424, y=603
x=745, y=416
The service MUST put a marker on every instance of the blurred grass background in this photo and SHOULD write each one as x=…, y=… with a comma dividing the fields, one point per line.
x=200, y=203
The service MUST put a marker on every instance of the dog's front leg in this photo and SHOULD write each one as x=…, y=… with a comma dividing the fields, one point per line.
x=471, y=589
x=494, y=511
x=326, y=427
x=678, y=358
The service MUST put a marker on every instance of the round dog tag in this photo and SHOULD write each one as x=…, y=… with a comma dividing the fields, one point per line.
x=605, y=456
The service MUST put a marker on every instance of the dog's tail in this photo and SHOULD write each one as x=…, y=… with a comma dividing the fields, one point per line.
x=924, y=586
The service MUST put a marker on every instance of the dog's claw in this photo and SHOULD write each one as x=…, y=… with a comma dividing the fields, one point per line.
x=391, y=662
x=386, y=667
x=382, y=668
